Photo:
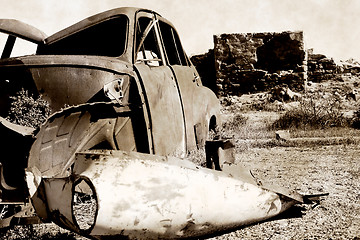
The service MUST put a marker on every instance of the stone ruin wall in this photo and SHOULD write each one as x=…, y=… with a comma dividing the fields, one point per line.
x=254, y=62
x=321, y=68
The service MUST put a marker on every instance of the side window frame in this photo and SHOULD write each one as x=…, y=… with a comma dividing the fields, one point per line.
x=140, y=50
x=9, y=46
x=181, y=56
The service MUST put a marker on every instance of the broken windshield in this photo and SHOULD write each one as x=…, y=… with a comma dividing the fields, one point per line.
x=107, y=38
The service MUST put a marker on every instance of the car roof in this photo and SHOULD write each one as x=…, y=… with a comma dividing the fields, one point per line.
x=90, y=21
x=22, y=30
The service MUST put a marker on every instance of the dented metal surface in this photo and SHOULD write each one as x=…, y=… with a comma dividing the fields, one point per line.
x=154, y=197
x=124, y=97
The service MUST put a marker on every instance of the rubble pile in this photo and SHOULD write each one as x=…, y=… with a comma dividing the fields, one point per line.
x=349, y=68
x=320, y=67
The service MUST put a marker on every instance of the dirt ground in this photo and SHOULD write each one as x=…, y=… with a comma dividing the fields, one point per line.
x=331, y=169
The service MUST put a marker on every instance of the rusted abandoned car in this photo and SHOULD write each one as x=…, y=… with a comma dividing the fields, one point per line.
x=129, y=78
x=125, y=99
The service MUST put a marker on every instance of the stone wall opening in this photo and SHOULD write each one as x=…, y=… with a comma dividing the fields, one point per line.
x=279, y=53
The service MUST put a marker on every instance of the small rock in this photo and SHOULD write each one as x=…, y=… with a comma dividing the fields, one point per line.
x=354, y=95
x=282, y=135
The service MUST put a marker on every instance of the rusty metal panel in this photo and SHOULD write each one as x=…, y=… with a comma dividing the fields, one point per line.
x=124, y=134
x=199, y=102
x=65, y=85
x=151, y=197
x=70, y=80
x=171, y=198
x=187, y=87
x=58, y=194
x=22, y=30
x=166, y=113
x=67, y=132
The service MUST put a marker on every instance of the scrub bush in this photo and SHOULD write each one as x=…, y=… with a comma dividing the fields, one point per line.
x=356, y=120
x=232, y=125
x=26, y=110
x=315, y=111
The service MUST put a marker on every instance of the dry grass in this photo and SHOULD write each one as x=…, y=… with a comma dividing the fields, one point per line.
x=38, y=232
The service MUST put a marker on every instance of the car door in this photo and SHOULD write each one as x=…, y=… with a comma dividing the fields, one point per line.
x=193, y=94
x=160, y=88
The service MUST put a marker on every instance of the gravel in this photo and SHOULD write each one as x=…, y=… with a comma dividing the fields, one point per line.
x=322, y=169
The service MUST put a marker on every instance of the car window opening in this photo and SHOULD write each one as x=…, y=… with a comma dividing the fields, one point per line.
x=107, y=38
x=174, y=52
x=147, y=45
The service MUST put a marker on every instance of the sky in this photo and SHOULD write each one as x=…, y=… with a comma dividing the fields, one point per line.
x=331, y=27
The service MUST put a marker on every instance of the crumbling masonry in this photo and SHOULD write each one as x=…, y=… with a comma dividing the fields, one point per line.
x=254, y=62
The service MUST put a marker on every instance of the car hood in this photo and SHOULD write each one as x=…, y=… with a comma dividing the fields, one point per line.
x=22, y=30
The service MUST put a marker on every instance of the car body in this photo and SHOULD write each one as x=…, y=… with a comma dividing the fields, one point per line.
x=140, y=48
x=128, y=56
